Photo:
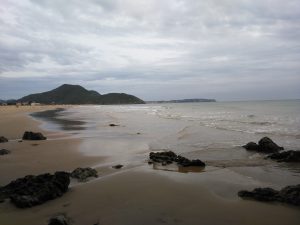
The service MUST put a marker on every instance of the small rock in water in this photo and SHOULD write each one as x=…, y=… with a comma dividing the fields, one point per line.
x=265, y=145
x=286, y=156
x=82, y=174
x=4, y=152
x=113, y=125
x=289, y=194
x=59, y=220
x=119, y=166
x=252, y=146
x=29, y=135
x=3, y=139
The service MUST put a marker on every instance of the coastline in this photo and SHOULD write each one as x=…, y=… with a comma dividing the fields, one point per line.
x=36, y=157
x=135, y=195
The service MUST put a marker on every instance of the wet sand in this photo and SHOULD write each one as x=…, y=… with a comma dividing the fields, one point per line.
x=35, y=157
x=136, y=194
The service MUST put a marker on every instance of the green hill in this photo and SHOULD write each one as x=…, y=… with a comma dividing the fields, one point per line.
x=75, y=94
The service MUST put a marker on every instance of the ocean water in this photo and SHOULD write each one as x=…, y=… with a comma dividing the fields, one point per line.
x=212, y=132
x=277, y=119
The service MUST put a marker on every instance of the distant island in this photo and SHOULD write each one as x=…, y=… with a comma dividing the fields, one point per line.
x=184, y=100
x=76, y=94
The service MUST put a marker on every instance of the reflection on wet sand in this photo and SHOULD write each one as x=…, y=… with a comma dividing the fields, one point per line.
x=181, y=169
x=64, y=124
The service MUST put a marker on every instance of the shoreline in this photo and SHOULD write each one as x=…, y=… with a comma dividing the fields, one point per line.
x=132, y=195
x=36, y=157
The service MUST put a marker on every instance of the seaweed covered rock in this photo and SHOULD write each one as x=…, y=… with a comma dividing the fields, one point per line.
x=82, y=174
x=3, y=139
x=289, y=195
x=4, y=152
x=34, y=190
x=169, y=157
x=29, y=135
x=265, y=145
x=166, y=157
x=286, y=156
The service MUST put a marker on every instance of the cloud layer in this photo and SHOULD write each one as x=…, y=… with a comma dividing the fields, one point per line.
x=230, y=49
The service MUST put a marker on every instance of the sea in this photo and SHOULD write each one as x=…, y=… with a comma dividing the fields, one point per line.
x=211, y=131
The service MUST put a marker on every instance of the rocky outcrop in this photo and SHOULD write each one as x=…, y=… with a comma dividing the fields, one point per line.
x=286, y=156
x=29, y=135
x=169, y=157
x=265, y=145
x=3, y=139
x=82, y=174
x=59, y=220
x=4, y=152
x=34, y=190
x=289, y=195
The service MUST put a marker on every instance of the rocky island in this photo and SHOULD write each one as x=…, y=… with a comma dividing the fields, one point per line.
x=76, y=94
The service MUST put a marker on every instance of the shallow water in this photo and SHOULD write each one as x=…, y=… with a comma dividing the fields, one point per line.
x=212, y=132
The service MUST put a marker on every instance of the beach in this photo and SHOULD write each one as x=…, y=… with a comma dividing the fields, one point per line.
x=138, y=193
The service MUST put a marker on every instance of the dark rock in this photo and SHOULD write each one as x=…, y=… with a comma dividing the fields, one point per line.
x=168, y=157
x=265, y=145
x=260, y=194
x=119, y=166
x=252, y=146
x=289, y=194
x=4, y=152
x=59, y=220
x=35, y=190
x=83, y=173
x=286, y=156
x=28, y=135
x=113, y=125
x=197, y=162
x=3, y=139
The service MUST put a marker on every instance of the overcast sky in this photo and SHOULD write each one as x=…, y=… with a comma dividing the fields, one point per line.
x=154, y=49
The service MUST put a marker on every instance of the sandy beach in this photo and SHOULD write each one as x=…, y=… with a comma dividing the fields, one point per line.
x=136, y=194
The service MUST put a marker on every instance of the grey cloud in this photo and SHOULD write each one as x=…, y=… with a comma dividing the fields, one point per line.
x=142, y=45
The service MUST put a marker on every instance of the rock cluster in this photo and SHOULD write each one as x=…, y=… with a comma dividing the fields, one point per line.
x=82, y=174
x=34, y=190
x=286, y=156
x=169, y=157
x=4, y=152
x=3, y=139
x=289, y=195
x=29, y=135
x=265, y=145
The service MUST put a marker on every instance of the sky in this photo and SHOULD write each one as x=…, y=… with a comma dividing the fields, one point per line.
x=154, y=49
